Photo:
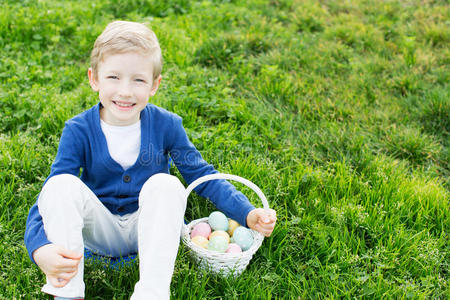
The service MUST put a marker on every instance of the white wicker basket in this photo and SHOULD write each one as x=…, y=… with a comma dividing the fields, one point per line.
x=216, y=262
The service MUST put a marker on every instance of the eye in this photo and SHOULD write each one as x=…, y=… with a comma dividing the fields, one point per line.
x=112, y=77
x=140, y=80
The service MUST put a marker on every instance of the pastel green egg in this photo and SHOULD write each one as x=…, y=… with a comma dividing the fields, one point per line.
x=218, y=243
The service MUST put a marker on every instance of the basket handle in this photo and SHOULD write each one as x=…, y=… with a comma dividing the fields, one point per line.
x=244, y=181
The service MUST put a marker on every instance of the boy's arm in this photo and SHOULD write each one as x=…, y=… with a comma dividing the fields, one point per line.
x=191, y=165
x=68, y=161
x=35, y=236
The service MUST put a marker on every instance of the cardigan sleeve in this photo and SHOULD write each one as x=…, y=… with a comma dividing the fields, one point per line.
x=191, y=165
x=68, y=161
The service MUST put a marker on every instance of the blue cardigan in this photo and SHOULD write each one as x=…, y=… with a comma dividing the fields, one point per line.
x=83, y=148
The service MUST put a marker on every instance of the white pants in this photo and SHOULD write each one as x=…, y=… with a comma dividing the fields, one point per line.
x=74, y=218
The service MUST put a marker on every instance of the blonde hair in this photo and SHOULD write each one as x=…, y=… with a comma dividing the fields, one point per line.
x=124, y=36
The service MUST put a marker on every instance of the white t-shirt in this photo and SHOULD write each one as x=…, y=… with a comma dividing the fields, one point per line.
x=124, y=142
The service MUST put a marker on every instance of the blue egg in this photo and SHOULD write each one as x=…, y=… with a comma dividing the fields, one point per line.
x=243, y=237
x=218, y=221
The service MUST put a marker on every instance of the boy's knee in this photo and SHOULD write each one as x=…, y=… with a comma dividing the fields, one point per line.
x=163, y=183
x=62, y=180
x=57, y=187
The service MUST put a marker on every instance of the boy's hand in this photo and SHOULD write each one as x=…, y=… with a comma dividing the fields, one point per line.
x=58, y=263
x=262, y=222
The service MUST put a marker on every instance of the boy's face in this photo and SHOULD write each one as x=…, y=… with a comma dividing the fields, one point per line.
x=125, y=83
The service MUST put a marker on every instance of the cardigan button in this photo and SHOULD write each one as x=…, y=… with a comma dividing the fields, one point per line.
x=120, y=209
x=127, y=178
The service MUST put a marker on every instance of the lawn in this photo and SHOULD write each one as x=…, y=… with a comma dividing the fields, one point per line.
x=338, y=110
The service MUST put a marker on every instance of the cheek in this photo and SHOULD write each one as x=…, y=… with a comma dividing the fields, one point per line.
x=107, y=89
x=102, y=94
x=143, y=94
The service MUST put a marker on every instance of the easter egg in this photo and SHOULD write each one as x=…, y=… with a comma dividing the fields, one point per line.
x=202, y=229
x=220, y=233
x=233, y=248
x=243, y=237
x=218, y=221
x=218, y=243
x=200, y=241
x=232, y=225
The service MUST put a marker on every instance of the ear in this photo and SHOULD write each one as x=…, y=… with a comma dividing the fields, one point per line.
x=92, y=80
x=155, y=86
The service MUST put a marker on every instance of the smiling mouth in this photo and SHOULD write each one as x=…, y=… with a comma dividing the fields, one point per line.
x=124, y=104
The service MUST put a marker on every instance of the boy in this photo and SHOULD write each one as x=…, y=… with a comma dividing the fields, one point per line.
x=124, y=201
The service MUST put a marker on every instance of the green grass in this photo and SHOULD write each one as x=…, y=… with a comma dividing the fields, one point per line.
x=338, y=110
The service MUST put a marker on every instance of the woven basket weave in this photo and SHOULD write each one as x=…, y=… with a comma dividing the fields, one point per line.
x=216, y=262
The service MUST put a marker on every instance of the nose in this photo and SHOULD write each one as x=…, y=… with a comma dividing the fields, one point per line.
x=125, y=89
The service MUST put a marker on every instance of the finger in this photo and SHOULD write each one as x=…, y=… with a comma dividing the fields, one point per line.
x=270, y=216
x=67, y=262
x=266, y=231
x=273, y=219
x=66, y=269
x=273, y=214
x=66, y=276
x=57, y=282
x=269, y=224
x=268, y=227
x=262, y=216
x=69, y=253
x=72, y=274
x=63, y=282
x=267, y=234
x=61, y=266
x=266, y=221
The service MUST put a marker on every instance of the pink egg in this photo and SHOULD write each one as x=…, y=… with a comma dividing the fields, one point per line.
x=233, y=248
x=202, y=229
